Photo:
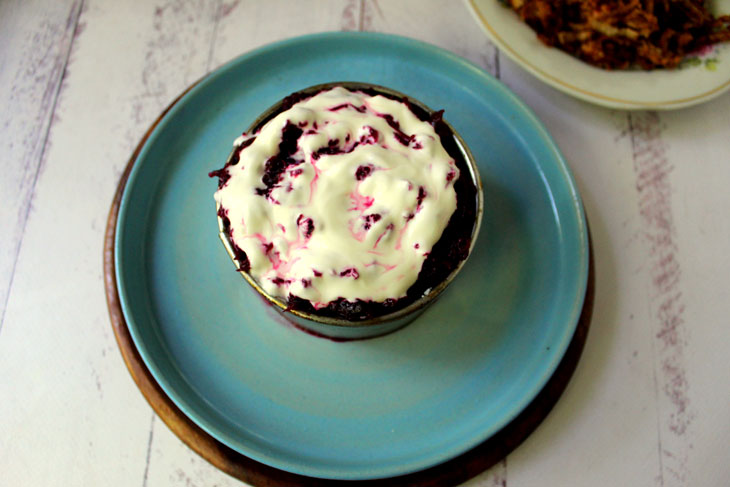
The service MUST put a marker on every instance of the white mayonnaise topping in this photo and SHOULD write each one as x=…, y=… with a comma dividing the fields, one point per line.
x=370, y=229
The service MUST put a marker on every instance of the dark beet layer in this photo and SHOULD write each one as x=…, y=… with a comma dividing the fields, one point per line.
x=446, y=254
x=276, y=165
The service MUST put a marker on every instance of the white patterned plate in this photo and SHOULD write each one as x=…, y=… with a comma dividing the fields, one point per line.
x=699, y=78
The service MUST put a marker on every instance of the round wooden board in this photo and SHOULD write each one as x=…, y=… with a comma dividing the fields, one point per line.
x=452, y=472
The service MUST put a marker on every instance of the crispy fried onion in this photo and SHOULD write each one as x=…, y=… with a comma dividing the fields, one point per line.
x=618, y=34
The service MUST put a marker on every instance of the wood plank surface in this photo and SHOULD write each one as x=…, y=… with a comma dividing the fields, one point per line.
x=81, y=82
x=37, y=42
x=127, y=62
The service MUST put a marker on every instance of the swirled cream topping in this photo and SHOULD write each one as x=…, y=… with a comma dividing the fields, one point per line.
x=341, y=196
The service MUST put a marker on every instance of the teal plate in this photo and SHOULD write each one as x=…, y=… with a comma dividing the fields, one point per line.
x=366, y=409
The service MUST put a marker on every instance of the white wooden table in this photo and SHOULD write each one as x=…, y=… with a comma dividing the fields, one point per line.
x=80, y=82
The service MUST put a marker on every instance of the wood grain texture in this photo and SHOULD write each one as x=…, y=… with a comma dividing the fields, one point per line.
x=128, y=61
x=452, y=472
x=666, y=301
x=276, y=20
x=37, y=42
x=443, y=24
x=697, y=157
